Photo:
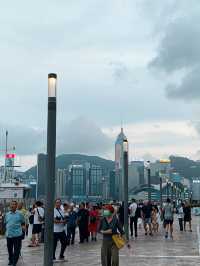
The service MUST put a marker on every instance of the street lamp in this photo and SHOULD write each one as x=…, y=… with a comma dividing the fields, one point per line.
x=149, y=180
x=125, y=155
x=50, y=178
x=167, y=188
x=161, y=191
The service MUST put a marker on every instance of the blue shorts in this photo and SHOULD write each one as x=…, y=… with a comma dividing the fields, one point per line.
x=147, y=221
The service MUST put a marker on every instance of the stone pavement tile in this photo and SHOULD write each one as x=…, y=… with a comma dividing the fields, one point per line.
x=183, y=250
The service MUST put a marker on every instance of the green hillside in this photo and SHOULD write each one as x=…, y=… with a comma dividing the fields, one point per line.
x=64, y=160
x=186, y=167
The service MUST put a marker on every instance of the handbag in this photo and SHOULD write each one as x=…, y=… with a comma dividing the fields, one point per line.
x=40, y=218
x=31, y=219
x=119, y=241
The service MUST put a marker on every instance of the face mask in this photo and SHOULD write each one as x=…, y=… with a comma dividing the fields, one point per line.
x=106, y=213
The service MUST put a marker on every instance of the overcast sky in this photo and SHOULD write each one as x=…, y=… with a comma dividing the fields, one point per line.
x=117, y=60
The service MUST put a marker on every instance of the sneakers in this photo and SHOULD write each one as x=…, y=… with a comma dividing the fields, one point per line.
x=166, y=235
x=61, y=258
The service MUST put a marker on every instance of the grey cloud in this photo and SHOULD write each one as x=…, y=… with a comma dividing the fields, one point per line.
x=79, y=136
x=180, y=46
x=148, y=157
x=120, y=70
x=179, y=52
x=84, y=136
x=77, y=40
x=196, y=125
x=26, y=140
x=188, y=89
x=163, y=138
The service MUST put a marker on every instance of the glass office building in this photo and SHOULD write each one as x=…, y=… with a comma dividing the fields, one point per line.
x=95, y=180
x=78, y=180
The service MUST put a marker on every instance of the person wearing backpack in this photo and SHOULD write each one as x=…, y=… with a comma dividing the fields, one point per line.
x=180, y=215
x=37, y=223
x=135, y=213
x=168, y=218
x=59, y=231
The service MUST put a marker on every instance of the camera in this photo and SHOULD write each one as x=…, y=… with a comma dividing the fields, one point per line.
x=58, y=218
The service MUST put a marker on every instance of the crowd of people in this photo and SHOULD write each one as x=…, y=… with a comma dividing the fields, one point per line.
x=90, y=219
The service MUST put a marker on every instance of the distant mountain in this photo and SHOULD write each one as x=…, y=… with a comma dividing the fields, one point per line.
x=186, y=167
x=64, y=160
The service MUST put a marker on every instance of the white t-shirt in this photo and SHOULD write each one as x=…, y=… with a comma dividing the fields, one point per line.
x=66, y=214
x=58, y=228
x=41, y=213
x=180, y=214
x=133, y=208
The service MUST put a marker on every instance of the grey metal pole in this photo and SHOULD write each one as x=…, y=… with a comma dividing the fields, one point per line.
x=126, y=227
x=161, y=195
x=172, y=192
x=50, y=180
x=6, y=151
x=167, y=190
x=149, y=183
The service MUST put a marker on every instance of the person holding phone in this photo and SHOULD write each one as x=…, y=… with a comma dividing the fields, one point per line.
x=59, y=230
x=109, y=226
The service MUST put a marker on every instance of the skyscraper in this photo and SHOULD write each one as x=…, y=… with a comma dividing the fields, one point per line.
x=136, y=174
x=119, y=165
x=61, y=179
x=78, y=181
x=95, y=178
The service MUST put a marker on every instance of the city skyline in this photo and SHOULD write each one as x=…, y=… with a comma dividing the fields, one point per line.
x=130, y=68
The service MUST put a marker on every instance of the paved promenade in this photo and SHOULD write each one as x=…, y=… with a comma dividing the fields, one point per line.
x=183, y=250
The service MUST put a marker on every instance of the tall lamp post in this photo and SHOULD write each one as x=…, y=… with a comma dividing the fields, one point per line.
x=161, y=193
x=149, y=180
x=167, y=188
x=50, y=178
x=125, y=159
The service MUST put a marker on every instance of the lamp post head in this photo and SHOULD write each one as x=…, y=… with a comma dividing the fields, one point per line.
x=148, y=165
x=52, y=82
x=125, y=145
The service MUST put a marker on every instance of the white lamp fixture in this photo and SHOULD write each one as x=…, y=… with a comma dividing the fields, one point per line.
x=125, y=145
x=148, y=165
x=52, y=82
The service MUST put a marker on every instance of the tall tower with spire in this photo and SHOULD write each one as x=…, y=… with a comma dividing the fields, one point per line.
x=119, y=165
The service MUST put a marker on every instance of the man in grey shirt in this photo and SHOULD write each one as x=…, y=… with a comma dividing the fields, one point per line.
x=168, y=218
